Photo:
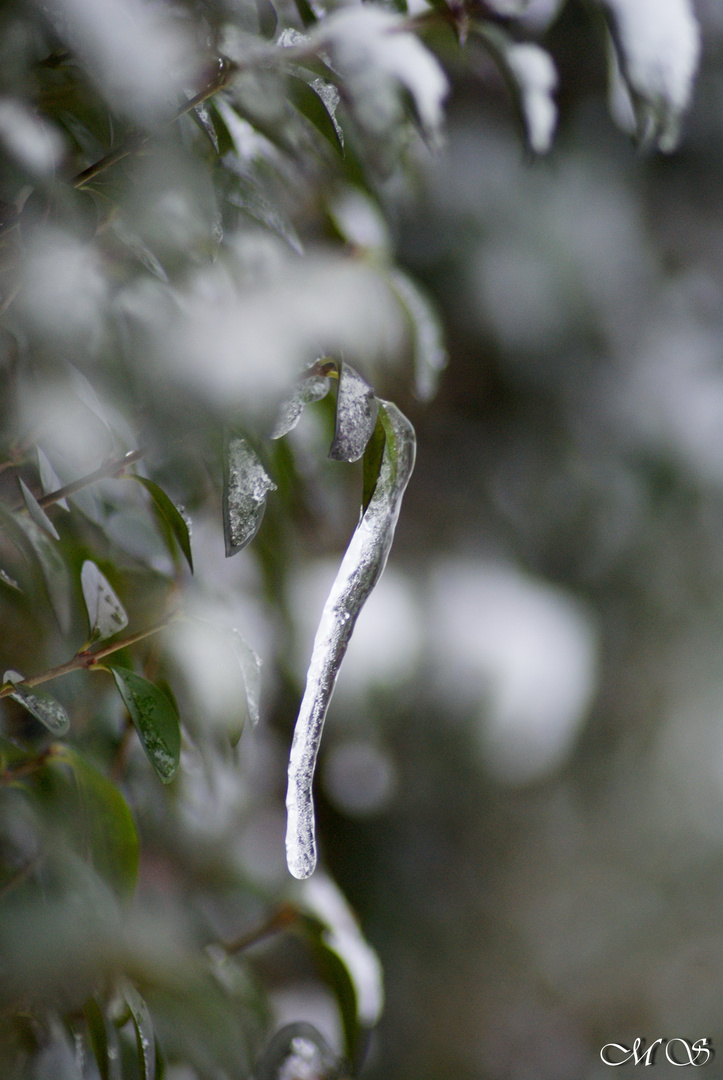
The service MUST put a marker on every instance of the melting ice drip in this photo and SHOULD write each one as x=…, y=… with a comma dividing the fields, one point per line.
x=361, y=568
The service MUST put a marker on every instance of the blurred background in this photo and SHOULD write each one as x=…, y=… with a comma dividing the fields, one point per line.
x=520, y=789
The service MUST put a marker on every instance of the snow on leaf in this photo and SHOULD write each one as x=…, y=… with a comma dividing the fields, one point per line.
x=322, y=897
x=361, y=568
x=374, y=54
x=35, y=144
x=656, y=47
x=356, y=415
x=49, y=479
x=36, y=511
x=430, y=354
x=536, y=75
x=246, y=485
x=106, y=614
x=309, y=389
x=42, y=706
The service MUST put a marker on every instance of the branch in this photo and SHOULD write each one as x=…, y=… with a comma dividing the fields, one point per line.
x=85, y=660
x=111, y=468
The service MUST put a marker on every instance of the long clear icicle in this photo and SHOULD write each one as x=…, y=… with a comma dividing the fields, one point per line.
x=361, y=568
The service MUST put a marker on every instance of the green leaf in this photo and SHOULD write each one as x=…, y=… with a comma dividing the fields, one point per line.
x=245, y=487
x=311, y=104
x=372, y=462
x=54, y=571
x=49, y=479
x=103, y=1041
x=268, y=19
x=9, y=581
x=250, y=663
x=155, y=720
x=42, y=706
x=100, y=822
x=144, y=1030
x=297, y=1050
x=106, y=614
x=170, y=514
x=306, y=12
x=356, y=415
x=430, y=354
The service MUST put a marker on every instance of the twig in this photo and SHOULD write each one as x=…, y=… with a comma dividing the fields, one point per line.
x=111, y=468
x=280, y=919
x=86, y=659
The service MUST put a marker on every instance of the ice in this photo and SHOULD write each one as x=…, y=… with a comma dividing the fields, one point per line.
x=360, y=570
x=44, y=708
x=310, y=389
x=356, y=415
x=244, y=498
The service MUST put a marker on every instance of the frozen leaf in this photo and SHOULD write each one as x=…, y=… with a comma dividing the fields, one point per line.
x=36, y=511
x=85, y=393
x=356, y=415
x=144, y=1030
x=155, y=720
x=317, y=102
x=170, y=514
x=376, y=56
x=106, y=614
x=248, y=196
x=430, y=355
x=250, y=664
x=653, y=59
x=138, y=249
x=342, y=935
x=53, y=568
x=297, y=1052
x=372, y=463
x=309, y=389
x=9, y=581
x=42, y=706
x=360, y=221
x=361, y=568
x=246, y=485
x=49, y=480
x=201, y=114
x=532, y=76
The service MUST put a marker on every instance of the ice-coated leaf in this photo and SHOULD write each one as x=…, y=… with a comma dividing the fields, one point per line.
x=654, y=53
x=49, y=480
x=268, y=19
x=144, y=1030
x=317, y=102
x=532, y=78
x=430, y=354
x=309, y=389
x=250, y=663
x=246, y=485
x=361, y=568
x=339, y=932
x=372, y=463
x=376, y=55
x=360, y=221
x=201, y=114
x=36, y=511
x=42, y=706
x=171, y=515
x=9, y=581
x=248, y=195
x=297, y=1050
x=356, y=415
x=106, y=614
x=102, y=825
x=155, y=720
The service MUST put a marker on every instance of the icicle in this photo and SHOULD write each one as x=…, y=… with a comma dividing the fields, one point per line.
x=360, y=570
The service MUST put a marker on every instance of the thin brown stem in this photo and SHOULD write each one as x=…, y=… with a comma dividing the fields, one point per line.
x=87, y=659
x=280, y=919
x=112, y=468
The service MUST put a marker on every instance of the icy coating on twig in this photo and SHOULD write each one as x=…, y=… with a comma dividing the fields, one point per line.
x=361, y=568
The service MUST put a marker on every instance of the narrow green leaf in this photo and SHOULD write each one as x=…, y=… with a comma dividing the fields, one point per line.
x=250, y=663
x=144, y=1030
x=42, y=706
x=9, y=581
x=106, y=614
x=311, y=104
x=268, y=19
x=372, y=463
x=171, y=514
x=223, y=135
x=103, y=1041
x=54, y=571
x=356, y=415
x=36, y=511
x=201, y=115
x=246, y=485
x=99, y=821
x=430, y=354
x=155, y=720
x=306, y=12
